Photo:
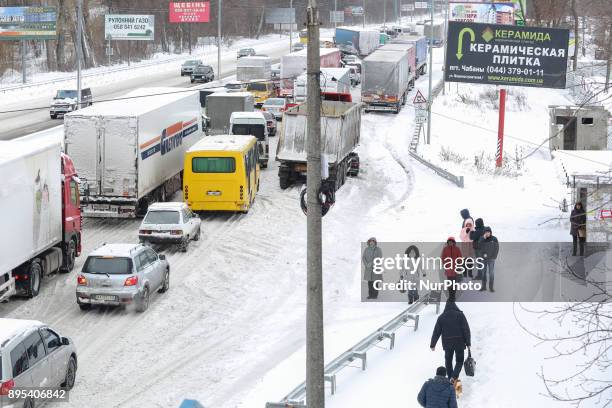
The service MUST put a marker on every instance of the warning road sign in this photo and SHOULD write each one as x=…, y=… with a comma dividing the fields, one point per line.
x=419, y=98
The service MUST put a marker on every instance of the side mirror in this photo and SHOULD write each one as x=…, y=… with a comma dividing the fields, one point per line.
x=65, y=341
x=162, y=257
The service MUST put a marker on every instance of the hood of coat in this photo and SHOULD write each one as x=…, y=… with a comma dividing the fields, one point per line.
x=488, y=229
x=581, y=209
x=440, y=383
x=451, y=306
x=412, y=251
x=479, y=223
x=451, y=239
x=372, y=240
x=465, y=213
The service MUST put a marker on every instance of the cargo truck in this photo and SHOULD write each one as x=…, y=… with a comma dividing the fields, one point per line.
x=255, y=67
x=294, y=64
x=420, y=43
x=385, y=80
x=41, y=216
x=221, y=105
x=438, y=33
x=129, y=155
x=357, y=41
x=409, y=49
x=340, y=131
x=334, y=80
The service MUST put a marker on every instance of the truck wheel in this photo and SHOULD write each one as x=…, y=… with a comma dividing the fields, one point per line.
x=53, y=116
x=69, y=257
x=142, y=304
x=35, y=273
x=397, y=109
x=284, y=182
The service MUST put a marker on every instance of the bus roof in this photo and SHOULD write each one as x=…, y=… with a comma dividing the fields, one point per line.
x=223, y=143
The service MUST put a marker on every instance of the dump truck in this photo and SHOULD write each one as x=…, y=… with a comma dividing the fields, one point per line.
x=420, y=43
x=254, y=68
x=340, y=132
x=221, y=105
x=385, y=81
x=129, y=155
x=294, y=64
x=41, y=215
x=357, y=41
x=410, y=50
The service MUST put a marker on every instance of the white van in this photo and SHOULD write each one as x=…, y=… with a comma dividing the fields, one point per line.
x=254, y=124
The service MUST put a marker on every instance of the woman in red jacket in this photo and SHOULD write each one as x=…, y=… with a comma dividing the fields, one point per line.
x=450, y=254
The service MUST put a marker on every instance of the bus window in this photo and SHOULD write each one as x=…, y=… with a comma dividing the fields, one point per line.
x=213, y=165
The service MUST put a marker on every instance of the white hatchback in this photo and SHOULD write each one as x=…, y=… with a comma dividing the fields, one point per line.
x=170, y=223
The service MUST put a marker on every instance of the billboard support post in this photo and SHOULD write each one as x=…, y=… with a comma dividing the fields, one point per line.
x=23, y=61
x=290, y=27
x=220, y=5
x=430, y=67
x=500, y=128
x=79, y=46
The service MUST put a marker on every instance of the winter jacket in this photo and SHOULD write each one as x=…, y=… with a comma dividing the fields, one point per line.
x=577, y=219
x=437, y=392
x=413, y=275
x=465, y=214
x=477, y=233
x=453, y=327
x=369, y=254
x=452, y=252
x=489, y=247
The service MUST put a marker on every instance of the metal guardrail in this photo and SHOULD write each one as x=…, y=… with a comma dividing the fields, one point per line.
x=458, y=180
x=296, y=398
x=7, y=289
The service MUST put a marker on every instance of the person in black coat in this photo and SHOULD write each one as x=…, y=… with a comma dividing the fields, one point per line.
x=475, y=236
x=455, y=331
x=438, y=392
x=489, y=248
x=578, y=227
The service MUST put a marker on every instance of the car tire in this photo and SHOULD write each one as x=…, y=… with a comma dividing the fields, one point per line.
x=53, y=116
x=36, y=273
x=70, y=374
x=166, y=285
x=70, y=257
x=85, y=306
x=142, y=304
x=196, y=237
x=184, y=245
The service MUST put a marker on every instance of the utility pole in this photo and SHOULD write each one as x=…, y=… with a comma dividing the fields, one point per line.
x=290, y=25
x=430, y=96
x=364, y=14
x=315, y=383
x=23, y=61
x=445, y=45
x=79, y=50
x=336, y=13
x=385, y=13
x=219, y=38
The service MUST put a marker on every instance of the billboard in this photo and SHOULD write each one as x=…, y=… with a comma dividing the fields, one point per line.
x=488, y=11
x=336, y=16
x=28, y=23
x=189, y=12
x=129, y=27
x=506, y=55
x=421, y=5
x=280, y=15
x=407, y=7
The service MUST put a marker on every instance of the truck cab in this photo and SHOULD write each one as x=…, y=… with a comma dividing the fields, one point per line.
x=254, y=124
x=261, y=91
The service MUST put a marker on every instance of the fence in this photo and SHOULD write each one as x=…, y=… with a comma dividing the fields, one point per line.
x=296, y=398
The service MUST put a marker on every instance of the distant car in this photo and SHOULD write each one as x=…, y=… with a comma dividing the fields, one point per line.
x=65, y=100
x=245, y=52
x=170, y=223
x=188, y=66
x=270, y=122
x=32, y=357
x=235, y=86
x=202, y=73
x=297, y=47
x=276, y=106
x=120, y=275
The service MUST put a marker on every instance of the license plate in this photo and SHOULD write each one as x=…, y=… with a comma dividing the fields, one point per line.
x=105, y=297
x=213, y=193
x=101, y=207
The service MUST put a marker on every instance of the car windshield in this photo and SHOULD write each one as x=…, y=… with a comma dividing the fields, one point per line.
x=257, y=86
x=108, y=265
x=233, y=86
x=66, y=94
x=192, y=62
x=253, y=130
x=245, y=51
x=201, y=69
x=275, y=101
x=162, y=217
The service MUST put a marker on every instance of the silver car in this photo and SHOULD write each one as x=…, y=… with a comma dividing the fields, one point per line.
x=32, y=357
x=120, y=275
x=170, y=223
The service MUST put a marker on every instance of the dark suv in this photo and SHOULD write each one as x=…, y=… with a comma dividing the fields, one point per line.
x=202, y=73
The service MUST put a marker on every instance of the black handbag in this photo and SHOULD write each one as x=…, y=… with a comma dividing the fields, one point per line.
x=470, y=365
x=401, y=280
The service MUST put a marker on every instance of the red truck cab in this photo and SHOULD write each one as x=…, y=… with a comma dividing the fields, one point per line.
x=71, y=208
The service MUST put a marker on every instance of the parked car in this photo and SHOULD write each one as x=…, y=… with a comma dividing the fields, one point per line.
x=65, y=100
x=271, y=122
x=188, y=66
x=297, y=47
x=235, y=86
x=245, y=52
x=33, y=356
x=276, y=106
x=202, y=73
x=120, y=275
x=170, y=223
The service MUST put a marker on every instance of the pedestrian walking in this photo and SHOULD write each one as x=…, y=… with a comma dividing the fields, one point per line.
x=578, y=227
x=438, y=392
x=466, y=244
x=475, y=235
x=371, y=252
x=413, y=276
x=465, y=214
x=455, y=331
x=450, y=256
x=489, y=248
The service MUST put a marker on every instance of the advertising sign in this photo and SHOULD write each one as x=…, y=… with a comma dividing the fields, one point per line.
x=488, y=11
x=357, y=10
x=420, y=5
x=129, y=27
x=28, y=23
x=336, y=16
x=189, y=12
x=506, y=55
x=407, y=7
x=280, y=16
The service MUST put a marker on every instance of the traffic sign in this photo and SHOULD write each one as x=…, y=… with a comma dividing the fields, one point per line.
x=419, y=98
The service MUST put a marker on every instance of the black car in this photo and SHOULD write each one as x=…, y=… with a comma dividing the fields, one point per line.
x=202, y=73
x=270, y=122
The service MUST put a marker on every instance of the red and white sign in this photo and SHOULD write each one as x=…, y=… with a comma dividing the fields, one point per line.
x=189, y=12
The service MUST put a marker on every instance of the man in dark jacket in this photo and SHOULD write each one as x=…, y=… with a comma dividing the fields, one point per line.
x=438, y=392
x=489, y=248
x=475, y=236
x=578, y=227
x=455, y=331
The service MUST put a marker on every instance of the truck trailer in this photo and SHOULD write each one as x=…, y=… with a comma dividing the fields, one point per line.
x=410, y=50
x=384, y=81
x=129, y=155
x=357, y=41
x=420, y=43
x=221, y=105
x=334, y=80
x=255, y=67
x=294, y=64
x=340, y=132
x=41, y=215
